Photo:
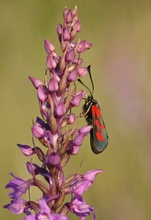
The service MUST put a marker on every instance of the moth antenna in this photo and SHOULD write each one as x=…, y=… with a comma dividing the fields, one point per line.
x=89, y=71
x=79, y=80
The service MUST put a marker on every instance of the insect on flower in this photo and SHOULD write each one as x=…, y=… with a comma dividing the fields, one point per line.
x=92, y=114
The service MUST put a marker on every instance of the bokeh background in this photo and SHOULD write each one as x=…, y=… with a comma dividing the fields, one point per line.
x=121, y=64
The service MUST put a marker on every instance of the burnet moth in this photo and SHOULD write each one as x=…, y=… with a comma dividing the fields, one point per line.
x=93, y=116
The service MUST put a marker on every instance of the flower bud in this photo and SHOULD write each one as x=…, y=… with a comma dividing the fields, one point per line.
x=71, y=118
x=54, y=159
x=60, y=109
x=74, y=11
x=77, y=26
x=85, y=130
x=37, y=132
x=53, y=84
x=59, y=31
x=75, y=150
x=66, y=34
x=50, y=63
x=17, y=206
x=36, y=82
x=83, y=45
x=78, y=140
x=68, y=17
x=26, y=150
x=49, y=47
x=32, y=168
x=73, y=75
x=70, y=55
x=91, y=174
x=77, y=99
x=42, y=93
x=82, y=71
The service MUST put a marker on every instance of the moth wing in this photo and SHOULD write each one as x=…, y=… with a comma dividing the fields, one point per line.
x=98, y=135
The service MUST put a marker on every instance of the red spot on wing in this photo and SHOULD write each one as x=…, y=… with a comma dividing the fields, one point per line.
x=99, y=136
x=102, y=126
x=96, y=122
x=96, y=111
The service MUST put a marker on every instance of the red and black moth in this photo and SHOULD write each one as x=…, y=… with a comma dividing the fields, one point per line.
x=93, y=116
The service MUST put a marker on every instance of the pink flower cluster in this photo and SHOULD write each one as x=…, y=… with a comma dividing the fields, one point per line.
x=58, y=133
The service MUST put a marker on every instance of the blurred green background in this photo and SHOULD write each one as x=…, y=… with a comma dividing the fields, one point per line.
x=121, y=63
